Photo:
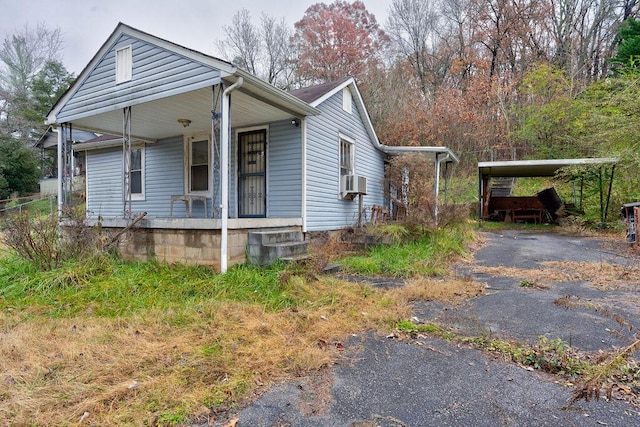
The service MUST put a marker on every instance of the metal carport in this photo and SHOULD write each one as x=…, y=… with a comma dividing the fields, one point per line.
x=536, y=168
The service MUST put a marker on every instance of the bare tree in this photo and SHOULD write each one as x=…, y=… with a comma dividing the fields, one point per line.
x=413, y=27
x=22, y=55
x=584, y=34
x=265, y=51
x=278, y=52
x=242, y=44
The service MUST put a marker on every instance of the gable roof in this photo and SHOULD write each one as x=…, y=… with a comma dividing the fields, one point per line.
x=311, y=94
x=227, y=71
x=50, y=137
x=316, y=95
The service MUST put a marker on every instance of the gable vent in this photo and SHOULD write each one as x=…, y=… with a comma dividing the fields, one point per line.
x=124, y=64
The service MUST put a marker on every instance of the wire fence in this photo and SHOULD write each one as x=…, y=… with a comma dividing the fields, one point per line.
x=41, y=203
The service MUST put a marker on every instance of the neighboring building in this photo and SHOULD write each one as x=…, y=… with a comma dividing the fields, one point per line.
x=48, y=145
x=212, y=153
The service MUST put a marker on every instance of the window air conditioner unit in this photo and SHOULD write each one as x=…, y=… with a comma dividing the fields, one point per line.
x=352, y=185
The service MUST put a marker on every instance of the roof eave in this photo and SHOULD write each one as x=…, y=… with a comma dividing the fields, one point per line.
x=399, y=150
x=294, y=103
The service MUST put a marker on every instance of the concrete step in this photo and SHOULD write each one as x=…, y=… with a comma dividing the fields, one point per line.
x=273, y=237
x=265, y=247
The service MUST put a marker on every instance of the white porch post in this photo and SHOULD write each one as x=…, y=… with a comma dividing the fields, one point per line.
x=225, y=130
x=60, y=168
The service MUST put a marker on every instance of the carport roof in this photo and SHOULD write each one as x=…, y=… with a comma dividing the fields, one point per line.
x=535, y=168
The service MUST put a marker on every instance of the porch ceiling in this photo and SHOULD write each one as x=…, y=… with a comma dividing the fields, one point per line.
x=158, y=119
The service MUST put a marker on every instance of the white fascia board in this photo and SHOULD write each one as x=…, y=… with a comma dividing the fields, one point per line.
x=351, y=83
x=347, y=82
x=110, y=143
x=149, y=98
x=399, y=150
x=288, y=100
x=551, y=162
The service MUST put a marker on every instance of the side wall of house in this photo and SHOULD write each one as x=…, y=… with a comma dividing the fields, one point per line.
x=325, y=209
x=163, y=177
x=155, y=72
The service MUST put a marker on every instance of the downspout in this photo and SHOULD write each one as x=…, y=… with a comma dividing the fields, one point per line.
x=304, y=174
x=60, y=169
x=437, y=185
x=225, y=130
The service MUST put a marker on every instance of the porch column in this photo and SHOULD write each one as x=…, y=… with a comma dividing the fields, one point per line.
x=60, y=168
x=225, y=137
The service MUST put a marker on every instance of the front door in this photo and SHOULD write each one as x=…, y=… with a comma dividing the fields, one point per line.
x=252, y=162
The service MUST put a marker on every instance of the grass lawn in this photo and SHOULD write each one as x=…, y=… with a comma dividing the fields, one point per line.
x=136, y=343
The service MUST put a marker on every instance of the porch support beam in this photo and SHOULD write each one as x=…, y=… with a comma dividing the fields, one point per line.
x=126, y=162
x=61, y=168
x=225, y=137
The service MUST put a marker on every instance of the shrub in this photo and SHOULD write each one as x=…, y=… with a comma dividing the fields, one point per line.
x=42, y=242
x=410, y=183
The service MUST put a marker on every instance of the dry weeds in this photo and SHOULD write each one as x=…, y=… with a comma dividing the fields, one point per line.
x=138, y=370
x=600, y=275
x=450, y=290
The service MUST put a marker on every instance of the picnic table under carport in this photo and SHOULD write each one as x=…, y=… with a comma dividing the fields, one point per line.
x=539, y=168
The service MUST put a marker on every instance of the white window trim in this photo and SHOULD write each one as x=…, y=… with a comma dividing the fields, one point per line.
x=124, y=70
x=188, y=139
x=143, y=167
x=350, y=140
x=347, y=100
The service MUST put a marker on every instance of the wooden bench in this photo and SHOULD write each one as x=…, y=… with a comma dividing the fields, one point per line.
x=528, y=213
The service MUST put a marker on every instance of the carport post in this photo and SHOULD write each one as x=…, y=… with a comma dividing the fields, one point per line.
x=479, y=195
x=606, y=209
x=436, y=190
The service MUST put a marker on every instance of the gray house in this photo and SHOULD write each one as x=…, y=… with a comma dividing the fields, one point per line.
x=214, y=156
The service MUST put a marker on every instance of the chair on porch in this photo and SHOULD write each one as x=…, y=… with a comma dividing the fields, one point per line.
x=188, y=200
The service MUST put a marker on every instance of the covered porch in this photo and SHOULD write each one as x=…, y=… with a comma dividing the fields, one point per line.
x=197, y=145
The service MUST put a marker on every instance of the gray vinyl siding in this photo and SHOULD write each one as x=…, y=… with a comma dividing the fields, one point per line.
x=104, y=183
x=156, y=73
x=325, y=210
x=163, y=177
x=284, y=171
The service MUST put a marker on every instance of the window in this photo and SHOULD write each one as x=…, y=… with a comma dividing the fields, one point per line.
x=346, y=100
x=199, y=165
x=346, y=157
x=123, y=64
x=137, y=173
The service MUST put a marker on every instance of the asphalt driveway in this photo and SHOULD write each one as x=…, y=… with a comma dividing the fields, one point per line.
x=431, y=382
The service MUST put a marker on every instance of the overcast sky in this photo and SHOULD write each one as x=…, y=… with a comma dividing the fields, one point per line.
x=195, y=24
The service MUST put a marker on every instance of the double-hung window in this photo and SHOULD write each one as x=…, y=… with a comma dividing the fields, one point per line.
x=347, y=156
x=199, y=165
x=136, y=173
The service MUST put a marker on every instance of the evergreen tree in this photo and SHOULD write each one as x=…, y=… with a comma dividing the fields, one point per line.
x=628, y=55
